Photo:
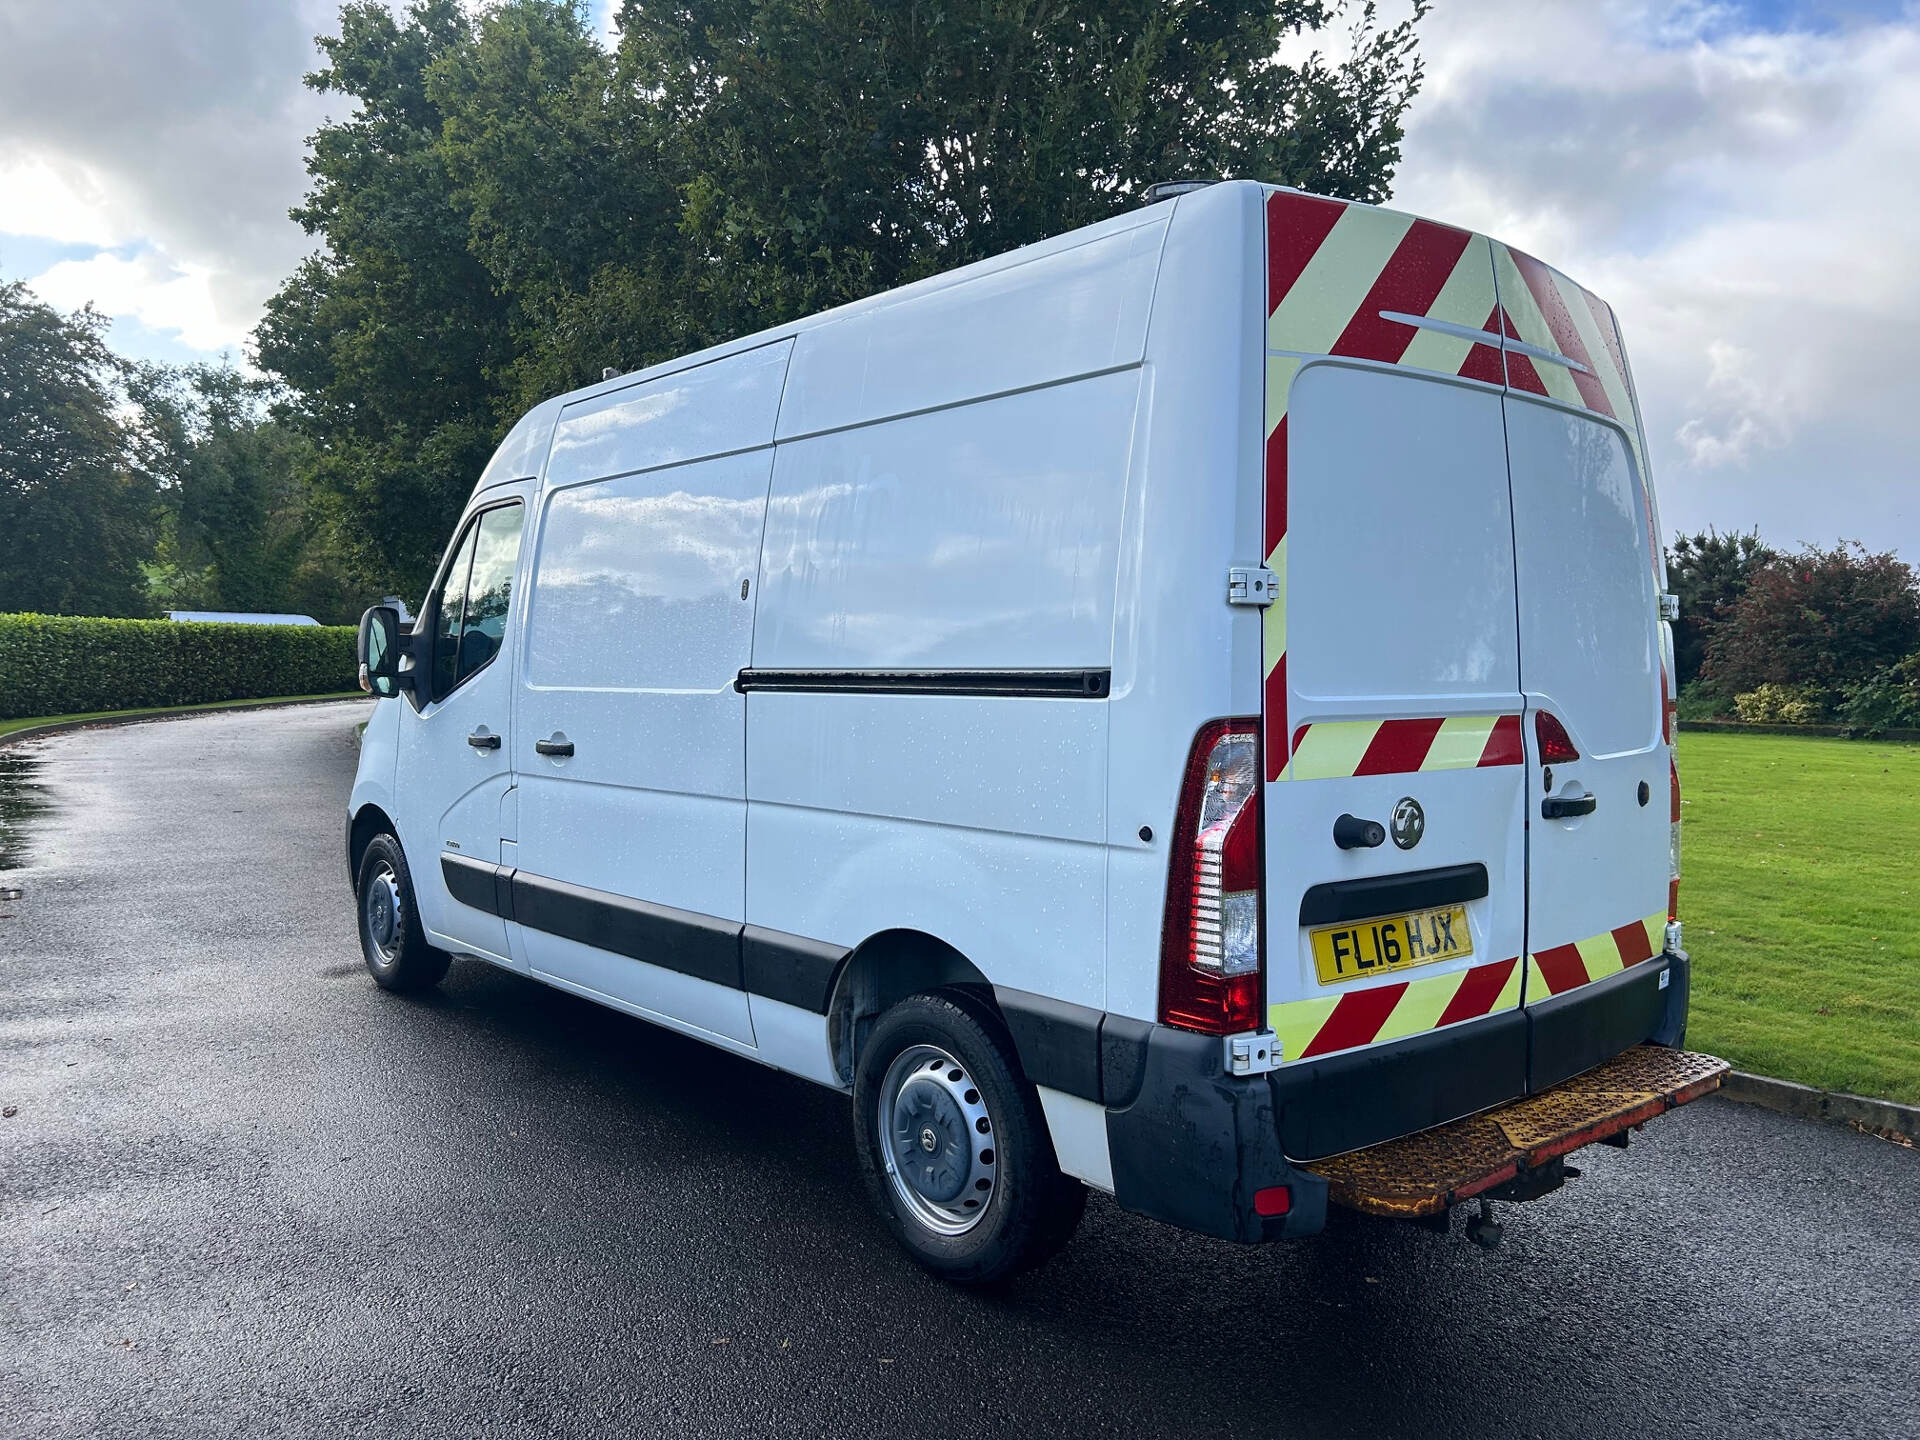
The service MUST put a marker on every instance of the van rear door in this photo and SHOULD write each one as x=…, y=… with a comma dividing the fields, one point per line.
x=1591, y=657
x=1396, y=701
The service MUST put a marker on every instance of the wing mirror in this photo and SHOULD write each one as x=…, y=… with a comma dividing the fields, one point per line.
x=379, y=653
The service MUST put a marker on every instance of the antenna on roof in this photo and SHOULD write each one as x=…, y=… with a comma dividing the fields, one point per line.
x=608, y=373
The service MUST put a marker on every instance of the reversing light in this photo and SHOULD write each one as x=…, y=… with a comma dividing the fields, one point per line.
x=1210, y=951
x=1555, y=746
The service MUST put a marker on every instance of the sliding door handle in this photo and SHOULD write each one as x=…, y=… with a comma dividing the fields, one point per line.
x=484, y=740
x=558, y=745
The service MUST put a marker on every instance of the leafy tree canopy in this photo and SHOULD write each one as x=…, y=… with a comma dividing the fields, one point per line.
x=1708, y=572
x=76, y=519
x=1821, y=621
x=507, y=207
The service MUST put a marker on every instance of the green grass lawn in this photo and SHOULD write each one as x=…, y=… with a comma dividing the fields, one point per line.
x=1800, y=890
x=7, y=727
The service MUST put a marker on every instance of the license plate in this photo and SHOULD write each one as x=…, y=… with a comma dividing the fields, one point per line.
x=1392, y=942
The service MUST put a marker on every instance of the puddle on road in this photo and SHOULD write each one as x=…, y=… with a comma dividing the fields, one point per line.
x=21, y=798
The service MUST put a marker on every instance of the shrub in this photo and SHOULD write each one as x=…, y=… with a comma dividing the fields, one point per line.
x=1779, y=705
x=1697, y=702
x=1889, y=701
x=60, y=665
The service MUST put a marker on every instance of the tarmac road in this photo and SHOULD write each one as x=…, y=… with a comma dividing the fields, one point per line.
x=247, y=1193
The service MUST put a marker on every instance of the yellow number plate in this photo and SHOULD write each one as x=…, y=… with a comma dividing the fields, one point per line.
x=1393, y=942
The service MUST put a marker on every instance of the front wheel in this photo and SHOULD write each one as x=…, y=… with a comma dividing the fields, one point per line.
x=953, y=1144
x=396, y=950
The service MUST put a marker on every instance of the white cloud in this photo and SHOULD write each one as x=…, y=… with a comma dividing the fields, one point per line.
x=159, y=293
x=173, y=127
x=1750, y=203
x=65, y=202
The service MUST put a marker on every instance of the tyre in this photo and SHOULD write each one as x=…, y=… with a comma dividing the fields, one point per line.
x=953, y=1145
x=396, y=951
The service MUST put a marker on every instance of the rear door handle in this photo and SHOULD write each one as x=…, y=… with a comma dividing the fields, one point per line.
x=481, y=740
x=1565, y=807
x=553, y=747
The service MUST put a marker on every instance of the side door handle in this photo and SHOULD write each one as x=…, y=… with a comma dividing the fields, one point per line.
x=1565, y=807
x=555, y=746
x=482, y=740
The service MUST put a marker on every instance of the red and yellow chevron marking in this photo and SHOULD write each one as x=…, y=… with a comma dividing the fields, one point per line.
x=1326, y=1023
x=1332, y=270
x=1335, y=749
x=1561, y=968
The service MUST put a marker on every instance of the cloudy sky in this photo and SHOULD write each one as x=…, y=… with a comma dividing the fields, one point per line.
x=1742, y=180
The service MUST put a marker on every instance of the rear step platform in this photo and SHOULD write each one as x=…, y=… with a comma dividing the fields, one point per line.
x=1425, y=1174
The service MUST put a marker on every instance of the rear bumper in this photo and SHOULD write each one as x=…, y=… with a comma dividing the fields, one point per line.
x=1193, y=1144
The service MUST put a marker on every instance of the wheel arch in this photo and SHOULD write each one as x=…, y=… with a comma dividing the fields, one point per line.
x=368, y=821
x=883, y=970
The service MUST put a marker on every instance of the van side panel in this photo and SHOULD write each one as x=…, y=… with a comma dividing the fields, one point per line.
x=982, y=536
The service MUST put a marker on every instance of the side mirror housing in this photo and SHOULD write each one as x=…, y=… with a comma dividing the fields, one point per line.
x=379, y=650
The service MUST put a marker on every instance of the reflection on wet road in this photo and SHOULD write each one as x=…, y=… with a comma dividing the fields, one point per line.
x=21, y=798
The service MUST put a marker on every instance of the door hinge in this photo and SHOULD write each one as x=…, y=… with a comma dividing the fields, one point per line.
x=1669, y=605
x=1253, y=1054
x=1251, y=585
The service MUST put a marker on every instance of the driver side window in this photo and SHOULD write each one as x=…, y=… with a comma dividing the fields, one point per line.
x=449, y=612
x=470, y=607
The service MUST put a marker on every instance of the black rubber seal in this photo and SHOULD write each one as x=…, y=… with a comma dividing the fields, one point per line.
x=1056, y=684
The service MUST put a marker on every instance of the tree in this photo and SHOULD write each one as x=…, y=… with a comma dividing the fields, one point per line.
x=1824, y=621
x=236, y=531
x=75, y=519
x=389, y=338
x=829, y=151
x=1709, y=572
x=510, y=208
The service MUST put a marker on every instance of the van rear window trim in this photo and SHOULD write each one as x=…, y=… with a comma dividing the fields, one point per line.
x=1081, y=684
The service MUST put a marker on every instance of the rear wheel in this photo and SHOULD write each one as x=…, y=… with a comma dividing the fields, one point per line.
x=953, y=1144
x=396, y=951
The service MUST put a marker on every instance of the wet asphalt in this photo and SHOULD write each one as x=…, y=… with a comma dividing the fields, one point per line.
x=243, y=1192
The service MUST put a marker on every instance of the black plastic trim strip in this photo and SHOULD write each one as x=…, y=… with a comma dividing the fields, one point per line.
x=470, y=881
x=1574, y=1031
x=699, y=945
x=1359, y=1097
x=1057, y=684
x=1391, y=894
x=790, y=968
x=1058, y=1042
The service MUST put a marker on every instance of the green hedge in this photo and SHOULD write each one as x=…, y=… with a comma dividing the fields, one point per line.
x=59, y=665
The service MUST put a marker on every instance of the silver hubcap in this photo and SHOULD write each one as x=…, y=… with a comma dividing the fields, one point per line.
x=381, y=906
x=938, y=1141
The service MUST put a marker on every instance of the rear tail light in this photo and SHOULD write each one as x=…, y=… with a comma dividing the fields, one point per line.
x=1555, y=746
x=1210, y=947
x=1673, y=845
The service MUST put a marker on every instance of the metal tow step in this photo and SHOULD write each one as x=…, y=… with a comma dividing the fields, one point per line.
x=1424, y=1174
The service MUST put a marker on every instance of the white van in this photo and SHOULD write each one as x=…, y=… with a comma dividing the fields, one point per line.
x=1166, y=710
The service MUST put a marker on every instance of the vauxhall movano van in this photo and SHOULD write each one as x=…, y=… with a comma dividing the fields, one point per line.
x=1181, y=709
